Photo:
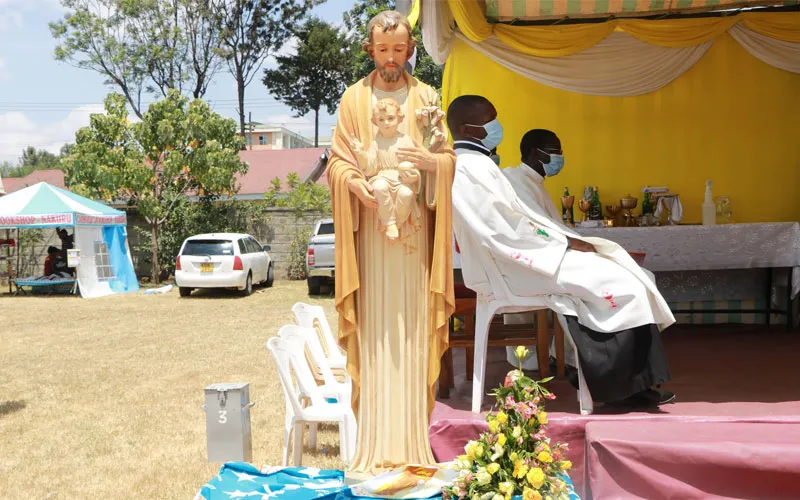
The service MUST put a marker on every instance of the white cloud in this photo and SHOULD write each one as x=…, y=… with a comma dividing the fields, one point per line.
x=17, y=131
x=14, y=12
x=10, y=17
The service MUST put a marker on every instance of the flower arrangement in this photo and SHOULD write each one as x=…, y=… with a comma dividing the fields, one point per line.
x=515, y=457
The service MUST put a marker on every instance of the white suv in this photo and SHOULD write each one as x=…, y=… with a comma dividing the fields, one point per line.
x=222, y=260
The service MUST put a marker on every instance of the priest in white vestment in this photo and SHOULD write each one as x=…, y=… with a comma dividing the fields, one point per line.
x=542, y=158
x=509, y=250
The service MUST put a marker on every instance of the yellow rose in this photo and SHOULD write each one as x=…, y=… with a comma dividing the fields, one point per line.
x=544, y=457
x=565, y=465
x=463, y=462
x=483, y=476
x=498, y=496
x=517, y=432
x=543, y=417
x=513, y=457
x=506, y=487
x=474, y=450
x=494, y=426
x=502, y=417
x=520, y=469
x=501, y=439
x=493, y=467
x=529, y=494
x=535, y=477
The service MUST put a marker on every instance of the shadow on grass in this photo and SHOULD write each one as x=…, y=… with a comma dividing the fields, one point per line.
x=8, y=407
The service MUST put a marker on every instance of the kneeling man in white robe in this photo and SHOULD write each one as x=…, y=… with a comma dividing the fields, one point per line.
x=613, y=310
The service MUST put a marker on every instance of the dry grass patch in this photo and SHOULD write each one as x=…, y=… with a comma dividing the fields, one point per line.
x=101, y=398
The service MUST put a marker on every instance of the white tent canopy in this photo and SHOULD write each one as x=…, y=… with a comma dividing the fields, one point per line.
x=105, y=266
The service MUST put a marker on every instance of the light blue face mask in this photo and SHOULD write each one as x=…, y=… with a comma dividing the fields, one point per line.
x=494, y=134
x=555, y=165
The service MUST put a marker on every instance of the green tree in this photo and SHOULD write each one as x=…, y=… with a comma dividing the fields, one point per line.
x=301, y=198
x=141, y=46
x=249, y=31
x=32, y=159
x=316, y=75
x=178, y=149
x=207, y=215
x=356, y=19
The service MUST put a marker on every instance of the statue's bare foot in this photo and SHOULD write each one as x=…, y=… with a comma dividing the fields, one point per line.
x=391, y=231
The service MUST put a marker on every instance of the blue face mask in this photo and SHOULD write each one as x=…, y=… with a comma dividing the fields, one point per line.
x=555, y=165
x=494, y=134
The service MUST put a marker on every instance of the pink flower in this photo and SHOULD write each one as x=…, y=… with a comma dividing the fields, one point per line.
x=508, y=382
x=510, y=403
x=536, y=400
x=551, y=396
x=524, y=410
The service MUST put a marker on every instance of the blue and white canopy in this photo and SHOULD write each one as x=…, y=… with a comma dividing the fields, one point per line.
x=44, y=205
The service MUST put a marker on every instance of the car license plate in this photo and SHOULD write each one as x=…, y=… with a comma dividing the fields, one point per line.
x=206, y=267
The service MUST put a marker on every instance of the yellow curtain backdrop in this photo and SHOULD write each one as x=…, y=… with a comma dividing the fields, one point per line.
x=731, y=118
x=562, y=40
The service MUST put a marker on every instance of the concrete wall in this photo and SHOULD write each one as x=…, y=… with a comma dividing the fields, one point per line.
x=275, y=230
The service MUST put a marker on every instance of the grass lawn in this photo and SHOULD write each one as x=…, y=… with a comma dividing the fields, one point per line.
x=101, y=398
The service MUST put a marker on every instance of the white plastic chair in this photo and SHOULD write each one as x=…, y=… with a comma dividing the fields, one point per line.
x=289, y=355
x=331, y=387
x=314, y=317
x=485, y=309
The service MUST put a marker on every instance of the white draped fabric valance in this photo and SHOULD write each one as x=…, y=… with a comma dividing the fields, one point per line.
x=620, y=65
x=777, y=53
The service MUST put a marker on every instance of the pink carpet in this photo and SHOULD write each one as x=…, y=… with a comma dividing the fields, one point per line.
x=726, y=379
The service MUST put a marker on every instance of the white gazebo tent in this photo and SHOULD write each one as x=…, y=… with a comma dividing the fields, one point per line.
x=105, y=266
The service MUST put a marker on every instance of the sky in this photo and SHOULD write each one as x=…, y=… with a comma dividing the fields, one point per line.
x=44, y=102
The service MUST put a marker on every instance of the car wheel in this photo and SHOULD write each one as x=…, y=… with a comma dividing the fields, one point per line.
x=184, y=291
x=270, y=276
x=248, y=285
x=313, y=286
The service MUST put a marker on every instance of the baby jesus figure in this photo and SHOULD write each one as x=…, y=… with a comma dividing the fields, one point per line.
x=395, y=183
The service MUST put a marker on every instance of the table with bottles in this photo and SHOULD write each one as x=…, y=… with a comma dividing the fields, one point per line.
x=718, y=262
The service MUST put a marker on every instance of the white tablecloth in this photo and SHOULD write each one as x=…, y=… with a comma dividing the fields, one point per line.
x=703, y=248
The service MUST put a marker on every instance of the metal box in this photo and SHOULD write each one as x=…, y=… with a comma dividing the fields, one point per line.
x=228, y=422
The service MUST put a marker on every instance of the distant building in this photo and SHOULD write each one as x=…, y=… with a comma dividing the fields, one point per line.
x=51, y=176
x=263, y=166
x=263, y=137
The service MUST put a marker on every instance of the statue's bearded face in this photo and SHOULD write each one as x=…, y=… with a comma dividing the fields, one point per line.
x=390, y=51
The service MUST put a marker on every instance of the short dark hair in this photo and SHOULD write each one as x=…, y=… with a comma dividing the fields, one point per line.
x=536, y=138
x=462, y=110
x=52, y=250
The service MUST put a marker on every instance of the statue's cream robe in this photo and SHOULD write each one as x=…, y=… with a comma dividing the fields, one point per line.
x=509, y=250
x=393, y=303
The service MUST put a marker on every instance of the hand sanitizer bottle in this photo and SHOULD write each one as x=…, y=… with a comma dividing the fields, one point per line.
x=709, y=209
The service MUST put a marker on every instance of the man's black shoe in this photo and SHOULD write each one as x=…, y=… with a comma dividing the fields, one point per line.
x=646, y=399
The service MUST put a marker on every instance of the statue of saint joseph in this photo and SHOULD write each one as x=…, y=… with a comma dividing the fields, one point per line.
x=394, y=300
